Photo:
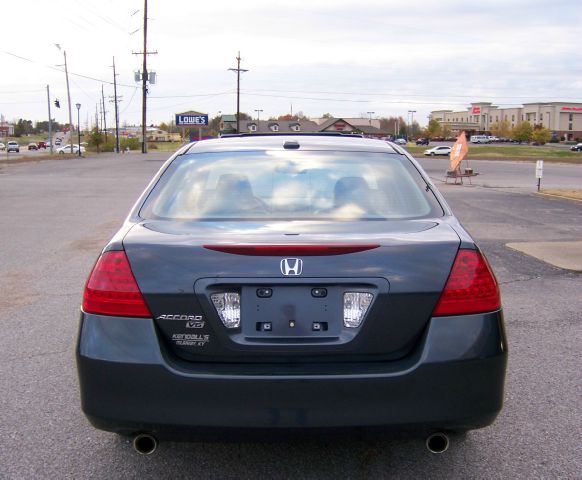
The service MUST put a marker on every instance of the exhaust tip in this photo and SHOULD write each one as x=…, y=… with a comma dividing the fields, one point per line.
x=437, y=442
x=145, y=444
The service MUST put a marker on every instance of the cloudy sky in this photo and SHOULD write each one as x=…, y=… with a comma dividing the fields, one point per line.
x=314, y=56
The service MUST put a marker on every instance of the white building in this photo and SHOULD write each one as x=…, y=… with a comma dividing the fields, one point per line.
x=562, y=118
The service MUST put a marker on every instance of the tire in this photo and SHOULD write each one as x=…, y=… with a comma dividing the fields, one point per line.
x=432, y=154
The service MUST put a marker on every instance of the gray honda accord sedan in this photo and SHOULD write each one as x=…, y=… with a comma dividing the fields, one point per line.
x=273, y=282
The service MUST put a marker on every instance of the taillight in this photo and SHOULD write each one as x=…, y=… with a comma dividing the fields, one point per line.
x=471, y=287
x=112, y=290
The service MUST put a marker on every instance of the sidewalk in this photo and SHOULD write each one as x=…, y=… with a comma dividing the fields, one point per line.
x=567, y=255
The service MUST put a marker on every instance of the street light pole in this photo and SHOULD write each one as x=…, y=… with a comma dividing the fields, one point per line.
x=411, y=113
x=78, y=105
x=412, y=119
x=258, y=119
x=370, y=113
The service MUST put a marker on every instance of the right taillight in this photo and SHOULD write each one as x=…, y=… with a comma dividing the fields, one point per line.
x=470, y=288
x=112, y=289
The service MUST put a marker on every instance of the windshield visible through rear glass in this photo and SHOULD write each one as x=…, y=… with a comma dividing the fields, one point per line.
x=290, y=185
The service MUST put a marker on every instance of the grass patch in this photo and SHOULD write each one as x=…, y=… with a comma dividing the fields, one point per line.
x=513, y=152
x=576, y=194
x=36, y=158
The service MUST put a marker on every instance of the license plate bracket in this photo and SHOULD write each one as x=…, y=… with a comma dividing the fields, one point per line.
x=298, y=311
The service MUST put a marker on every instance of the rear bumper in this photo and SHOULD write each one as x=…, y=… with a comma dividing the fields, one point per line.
x=453, y=380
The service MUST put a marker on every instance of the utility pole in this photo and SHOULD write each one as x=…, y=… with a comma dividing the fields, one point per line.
x=238, y=70
x=144, y=77
x=104, y=114
x=116, y=109
x=96, y=117
x=69, y=101
x=68, y=95
x=50, y=128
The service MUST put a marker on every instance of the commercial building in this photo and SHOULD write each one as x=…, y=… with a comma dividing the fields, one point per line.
x=6, y=129
x=562, y=118
x=364, y=126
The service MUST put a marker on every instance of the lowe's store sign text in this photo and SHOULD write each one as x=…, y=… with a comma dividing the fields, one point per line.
x=189, y=120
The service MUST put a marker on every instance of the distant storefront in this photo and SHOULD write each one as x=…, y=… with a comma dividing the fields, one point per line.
x=364, y=126
x=562, y=118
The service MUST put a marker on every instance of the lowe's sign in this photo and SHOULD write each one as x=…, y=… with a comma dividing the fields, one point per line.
x=184, y=119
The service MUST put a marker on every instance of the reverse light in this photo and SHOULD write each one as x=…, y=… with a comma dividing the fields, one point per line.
x=228, y=308
x=111, y=288
x=471, y=287
x=355, y=307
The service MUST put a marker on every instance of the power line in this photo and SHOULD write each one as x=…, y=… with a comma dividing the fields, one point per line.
x=229, y=92
x=396, y=94
x=70, y=73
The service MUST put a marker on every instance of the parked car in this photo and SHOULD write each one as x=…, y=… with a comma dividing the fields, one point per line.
x=32, y=146
x=576, y=148
x=422, y=141
x=442, y=150
x=2, y=146
x=492, y=139
x=296, y=281
x=42, y=144
x=13, y=146
x=400, y=141
x=67, y=149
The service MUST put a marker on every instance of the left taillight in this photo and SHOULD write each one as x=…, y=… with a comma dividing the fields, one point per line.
x=111, y=288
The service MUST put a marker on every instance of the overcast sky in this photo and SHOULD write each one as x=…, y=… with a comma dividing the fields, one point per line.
x=314, y=56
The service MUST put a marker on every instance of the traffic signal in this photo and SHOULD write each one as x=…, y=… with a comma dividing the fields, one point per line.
x=57, y=104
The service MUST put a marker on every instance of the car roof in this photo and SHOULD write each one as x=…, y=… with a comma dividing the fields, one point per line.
x=305, y=142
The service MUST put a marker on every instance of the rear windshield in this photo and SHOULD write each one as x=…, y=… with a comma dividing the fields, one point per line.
x=290, y=185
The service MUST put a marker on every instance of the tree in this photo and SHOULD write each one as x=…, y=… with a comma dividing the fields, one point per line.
x=501, y=129
x=446, y=131
x=393, y=125
x=42, y=127
x=214, y=125
x=541, y=135
x=434, y=129
x=164, y=126
x=23, y=127
x=522, y=132
x=96, y=139
x=327, y=115
x=287, y=118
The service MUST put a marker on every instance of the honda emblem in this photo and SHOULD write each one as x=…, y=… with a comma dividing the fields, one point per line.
x=291, y=266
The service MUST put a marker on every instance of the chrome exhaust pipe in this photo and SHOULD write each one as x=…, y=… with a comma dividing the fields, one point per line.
x=145, y=444
x=437, y=442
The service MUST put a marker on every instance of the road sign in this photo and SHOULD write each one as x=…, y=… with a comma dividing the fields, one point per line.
x=539, y=172
x=539, y=169
x=186, y=120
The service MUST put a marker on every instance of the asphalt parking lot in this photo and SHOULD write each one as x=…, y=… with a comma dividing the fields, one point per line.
x=56, y=215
